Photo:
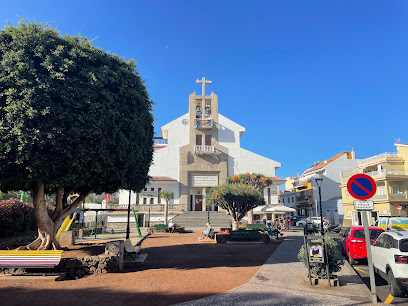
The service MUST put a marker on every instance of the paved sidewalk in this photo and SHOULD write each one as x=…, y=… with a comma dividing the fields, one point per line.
x=282, y=281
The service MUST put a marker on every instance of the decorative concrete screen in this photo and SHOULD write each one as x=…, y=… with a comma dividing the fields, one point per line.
x=204, y=180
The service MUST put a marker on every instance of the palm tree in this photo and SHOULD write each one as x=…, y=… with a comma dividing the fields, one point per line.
x=167, y=195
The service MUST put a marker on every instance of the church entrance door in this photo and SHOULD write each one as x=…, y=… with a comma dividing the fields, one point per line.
x=198, y=202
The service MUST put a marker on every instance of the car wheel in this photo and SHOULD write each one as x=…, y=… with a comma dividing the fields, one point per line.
x=392, y=284
x=351, y=260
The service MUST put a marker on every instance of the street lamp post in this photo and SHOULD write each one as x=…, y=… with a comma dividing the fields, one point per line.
x=128, y=217
x=319, y=182
x=148, y=222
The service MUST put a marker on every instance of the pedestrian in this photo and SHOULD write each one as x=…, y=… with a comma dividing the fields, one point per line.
x=171, y=226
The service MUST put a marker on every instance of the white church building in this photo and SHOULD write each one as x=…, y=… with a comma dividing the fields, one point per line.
x=196, y=152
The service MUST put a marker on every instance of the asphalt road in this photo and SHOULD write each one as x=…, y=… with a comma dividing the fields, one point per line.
x=383, y=292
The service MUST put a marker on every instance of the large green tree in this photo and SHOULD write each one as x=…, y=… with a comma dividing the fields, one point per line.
x=236, y=200
x=256, y=181
x=73, y=118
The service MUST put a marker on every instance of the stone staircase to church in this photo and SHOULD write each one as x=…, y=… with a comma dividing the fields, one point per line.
x=194, y=220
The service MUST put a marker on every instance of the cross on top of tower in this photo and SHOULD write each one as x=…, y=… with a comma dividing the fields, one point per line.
x=203, y=81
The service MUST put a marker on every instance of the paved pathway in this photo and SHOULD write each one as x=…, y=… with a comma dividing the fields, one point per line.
x=282, y=281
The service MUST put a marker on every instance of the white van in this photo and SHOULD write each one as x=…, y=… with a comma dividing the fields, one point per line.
x=390, y=223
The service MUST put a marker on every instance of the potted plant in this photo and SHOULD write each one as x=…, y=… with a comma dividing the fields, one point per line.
x=336, y=261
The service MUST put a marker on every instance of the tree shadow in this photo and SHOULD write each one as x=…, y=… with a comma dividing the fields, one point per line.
x=103, y=296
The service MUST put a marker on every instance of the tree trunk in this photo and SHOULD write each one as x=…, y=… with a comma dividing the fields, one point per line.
x=46, y=235
x=166, y=212
x=48, y=226
x=250, y=217
x=235, y=225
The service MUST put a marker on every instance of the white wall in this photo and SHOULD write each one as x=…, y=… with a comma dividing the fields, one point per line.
x=172, y=186
x=229, y=136
x=166, y=160
x=254, y=163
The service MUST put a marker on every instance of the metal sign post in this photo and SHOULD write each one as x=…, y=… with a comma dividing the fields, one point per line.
x=364, y=217
x=363, y=187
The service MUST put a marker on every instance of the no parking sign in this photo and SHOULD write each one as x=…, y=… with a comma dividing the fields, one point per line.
x=361, y=186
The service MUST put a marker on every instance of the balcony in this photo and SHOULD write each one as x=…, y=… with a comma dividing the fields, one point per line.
x=379, y=197
x=381, y=157
x=388, y=173
x=203, y=123
x=204, y=150
x=345, y=175
x=398, y=196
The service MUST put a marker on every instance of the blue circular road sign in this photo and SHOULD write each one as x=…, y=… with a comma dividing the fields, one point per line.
x=361, y=186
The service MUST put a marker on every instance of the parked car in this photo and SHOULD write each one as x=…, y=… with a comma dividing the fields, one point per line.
x=315, y=220
x=390, y=260
x=295, y=219
x=389, y=223
x=354, y=243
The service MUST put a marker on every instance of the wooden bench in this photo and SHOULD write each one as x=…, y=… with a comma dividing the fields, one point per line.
x=245, y=235
x=130, y=248
x=29, y=259
x=256, y=226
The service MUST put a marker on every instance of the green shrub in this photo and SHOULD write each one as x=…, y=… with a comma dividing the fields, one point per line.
x=335, y=259
x=17, y=217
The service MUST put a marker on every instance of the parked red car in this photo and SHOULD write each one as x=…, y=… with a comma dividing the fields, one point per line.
x=354, y=244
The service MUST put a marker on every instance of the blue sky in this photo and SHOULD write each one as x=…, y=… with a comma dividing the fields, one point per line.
x=307, y=79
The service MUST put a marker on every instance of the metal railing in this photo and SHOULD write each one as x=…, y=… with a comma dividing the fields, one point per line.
x=204, y=149
x=398, y=196
x=160, y=140
x=345, y=175
x=145, y=207
x=379, y=157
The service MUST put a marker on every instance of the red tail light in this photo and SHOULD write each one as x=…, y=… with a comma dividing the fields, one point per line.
x=401, y=259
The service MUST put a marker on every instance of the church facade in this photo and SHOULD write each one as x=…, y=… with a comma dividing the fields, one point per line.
x=196, y=152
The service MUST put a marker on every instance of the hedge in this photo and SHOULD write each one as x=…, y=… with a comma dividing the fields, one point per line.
x=17, y=217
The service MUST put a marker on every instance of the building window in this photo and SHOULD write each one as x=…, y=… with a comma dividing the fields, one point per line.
x=199, y=140
x=283, y=200
x=269, y=195
x=208, y=140
x=151, y=200
x=394, y=189
x=381, y=190
x=145, y=189
x=293, y=199
x=144, y=200
x=158, y=195
x=151, y=189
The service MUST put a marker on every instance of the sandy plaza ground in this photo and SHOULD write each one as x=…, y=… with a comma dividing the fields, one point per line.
x=178, y=269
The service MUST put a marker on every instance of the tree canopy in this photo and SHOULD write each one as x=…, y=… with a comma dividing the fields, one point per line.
x=73, y=118
x=237, y=200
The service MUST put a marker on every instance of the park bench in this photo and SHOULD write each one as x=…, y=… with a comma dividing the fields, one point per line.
x=130, y=248
x=245, y=235
x=22, y=260
x=161, y=227
x=256, y=227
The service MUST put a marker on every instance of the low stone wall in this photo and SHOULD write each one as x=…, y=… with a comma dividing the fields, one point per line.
x=110, y=261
